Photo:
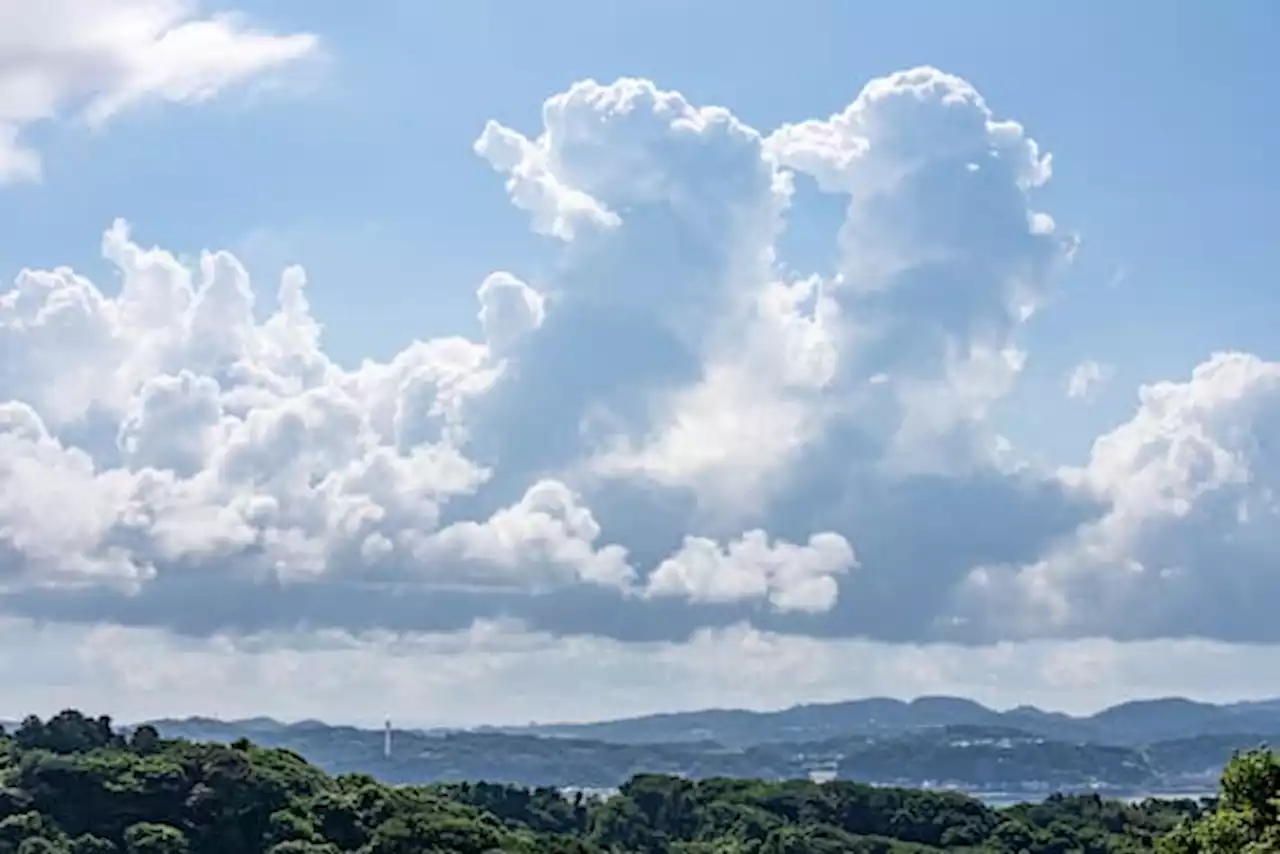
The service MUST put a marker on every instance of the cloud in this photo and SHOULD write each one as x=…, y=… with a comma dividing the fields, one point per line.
x=509, y=310
x=794, y=578
x=1189, y=544
x=943, y=254
x=669, y=436
x=95, y=60
x=547, y=527
x=667, y=364
x=242, y=458
x=1087, y=378
x=500, y=673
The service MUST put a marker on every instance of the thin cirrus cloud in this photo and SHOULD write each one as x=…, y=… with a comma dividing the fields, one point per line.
x=669, y=436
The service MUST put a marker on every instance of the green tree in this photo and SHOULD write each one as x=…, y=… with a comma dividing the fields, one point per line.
x=72, y=785
x=145, y=740
x=90, y=844
x=419, y=832
x=148, y=838
x=1245, y=821
x=40, y=845
x=16, y=829
x=297, y=846
x=67, y=732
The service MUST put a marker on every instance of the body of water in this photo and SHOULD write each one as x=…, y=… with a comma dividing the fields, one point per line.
x=1008, y=799
x=992, y=799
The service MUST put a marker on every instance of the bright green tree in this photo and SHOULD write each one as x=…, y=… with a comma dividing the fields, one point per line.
x=148, y=838
x=1247, y=818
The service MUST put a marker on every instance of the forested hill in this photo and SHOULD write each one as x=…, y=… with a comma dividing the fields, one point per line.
x=1165, y=745
x=1131, y=723
x=73, y=784
x=998, y=762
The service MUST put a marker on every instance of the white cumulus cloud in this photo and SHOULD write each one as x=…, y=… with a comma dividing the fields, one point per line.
x=1190, y=541
x=792, y=577
x=672, y=432
x=242, y=454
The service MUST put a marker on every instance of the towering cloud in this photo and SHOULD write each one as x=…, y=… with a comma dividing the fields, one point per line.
x=673, y=434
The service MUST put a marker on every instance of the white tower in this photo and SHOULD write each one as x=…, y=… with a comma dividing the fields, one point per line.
x=386, y=741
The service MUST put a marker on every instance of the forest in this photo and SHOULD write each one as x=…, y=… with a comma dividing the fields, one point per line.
x=75, y=783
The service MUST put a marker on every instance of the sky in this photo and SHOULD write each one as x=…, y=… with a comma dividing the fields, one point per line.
x=481, y=362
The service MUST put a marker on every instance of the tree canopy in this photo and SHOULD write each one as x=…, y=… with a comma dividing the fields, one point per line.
x=74, y=785
x=1247, y=817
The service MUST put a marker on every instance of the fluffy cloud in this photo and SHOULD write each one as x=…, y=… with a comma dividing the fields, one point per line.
x=1190, y=542
x=101, y=58
x=192, y=445
x=672, y=436
x=794, y=578
x=510, y=310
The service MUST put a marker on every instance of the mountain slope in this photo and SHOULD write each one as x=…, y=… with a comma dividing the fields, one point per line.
x=1129, y=723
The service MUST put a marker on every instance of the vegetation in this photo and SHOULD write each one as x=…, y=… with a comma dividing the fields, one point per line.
x=1247, y=817
x=73, y=785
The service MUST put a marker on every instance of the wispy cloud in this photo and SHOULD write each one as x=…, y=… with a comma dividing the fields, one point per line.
x=96, y=59
x=1087, y=379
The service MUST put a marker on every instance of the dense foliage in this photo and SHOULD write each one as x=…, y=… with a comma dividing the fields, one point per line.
x=72, y=784
x=1247, y=817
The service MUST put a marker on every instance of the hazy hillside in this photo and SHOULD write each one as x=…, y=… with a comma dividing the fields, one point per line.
x=1126, y=724
x=1151, y=745
x=974, y=758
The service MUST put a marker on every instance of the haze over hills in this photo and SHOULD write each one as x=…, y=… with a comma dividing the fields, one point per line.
x=1134, y=722
x=1130, y=723
x=1168, y=745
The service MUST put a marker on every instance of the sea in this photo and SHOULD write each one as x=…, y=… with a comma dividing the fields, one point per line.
x=992, y=799
x=1008, y=799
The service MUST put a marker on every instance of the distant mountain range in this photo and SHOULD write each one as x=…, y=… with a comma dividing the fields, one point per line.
x=1135, y=722
x=1166, y=745
x=1169, y=745
x=1131, y=723
x=971, y=758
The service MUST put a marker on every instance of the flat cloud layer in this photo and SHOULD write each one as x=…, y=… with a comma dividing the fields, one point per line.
x=498, y=674
x=672, y=445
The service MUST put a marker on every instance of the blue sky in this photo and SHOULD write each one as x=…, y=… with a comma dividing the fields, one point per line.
x=354, y=157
